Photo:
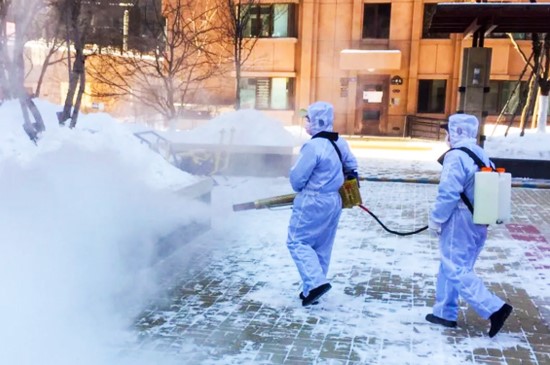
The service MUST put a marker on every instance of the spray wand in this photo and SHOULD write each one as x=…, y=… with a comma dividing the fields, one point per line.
x=288, y=199
x=276, y=201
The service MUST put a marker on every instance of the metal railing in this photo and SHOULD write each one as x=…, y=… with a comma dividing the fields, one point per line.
x=157, y=143
x=424, y=127
x=199, y=160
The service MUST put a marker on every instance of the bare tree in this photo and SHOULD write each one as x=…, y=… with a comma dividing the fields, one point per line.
x=539, y=83
x=166, y=76
x=5, y=61
x=48, y=29
x=12, y=67
x=76, y=25
x=544, y=84
x=241, y=26
x=527, y=111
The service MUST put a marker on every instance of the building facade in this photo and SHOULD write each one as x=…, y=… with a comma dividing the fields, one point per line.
x=374, y=60
x=377, y=62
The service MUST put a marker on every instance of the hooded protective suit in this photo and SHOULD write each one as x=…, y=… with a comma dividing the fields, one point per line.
x=317, y=176
x=460, y=240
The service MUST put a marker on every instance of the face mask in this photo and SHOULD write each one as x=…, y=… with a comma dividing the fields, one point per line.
x=307, y=126
x=447, y=140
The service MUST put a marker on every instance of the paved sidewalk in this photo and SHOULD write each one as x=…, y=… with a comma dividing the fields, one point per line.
x=232, y=296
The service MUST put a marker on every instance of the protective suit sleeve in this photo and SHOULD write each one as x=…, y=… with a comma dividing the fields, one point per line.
x=435, y=228
x=348, y=159
x=302, y=169
x=452, y=182
x=353, y=174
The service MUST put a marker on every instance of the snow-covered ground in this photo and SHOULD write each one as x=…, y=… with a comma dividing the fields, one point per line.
x=80, y=214
x=81, y=211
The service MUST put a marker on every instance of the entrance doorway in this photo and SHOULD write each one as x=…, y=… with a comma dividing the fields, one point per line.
x=372, y=104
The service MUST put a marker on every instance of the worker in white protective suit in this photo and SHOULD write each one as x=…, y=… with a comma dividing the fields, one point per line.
x=317, y=176
x=461, y=240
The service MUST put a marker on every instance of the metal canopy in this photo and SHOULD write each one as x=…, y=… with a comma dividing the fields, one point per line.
x=486, y=18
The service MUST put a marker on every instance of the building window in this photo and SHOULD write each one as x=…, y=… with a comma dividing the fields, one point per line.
x=147, y=26
x=125, y=25
x=431, y=96
x=429, y=10
x=500, y=92
x=271, y=21
x=517, y=36
x=376, y=21
x=267, y=93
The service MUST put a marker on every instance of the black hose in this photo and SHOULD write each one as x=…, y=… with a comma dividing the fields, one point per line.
x=389, y=230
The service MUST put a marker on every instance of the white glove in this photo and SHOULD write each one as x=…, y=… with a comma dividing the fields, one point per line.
x=434, y=228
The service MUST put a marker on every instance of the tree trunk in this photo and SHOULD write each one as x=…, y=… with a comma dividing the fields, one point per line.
x=543, y=105
x=535, y=111
x=522, y=102
x=170, y=100
x=238, y=50
x=529, y=104
x=237, y=87
x=81, y=89
x=39, y=122
x=43, y=70
x=4, y=83
x=544, y=83
x=533, y=86
x=69, y=98
x=75, y=75
x=543, y=113
x=5, y=67
x=18, y=79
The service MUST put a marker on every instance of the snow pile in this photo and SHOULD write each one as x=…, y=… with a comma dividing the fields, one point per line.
x=93, y=133
x=80, y=216
x=246, y=127
x=532, y=145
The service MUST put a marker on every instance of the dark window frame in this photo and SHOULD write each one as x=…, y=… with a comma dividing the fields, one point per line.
x=257, y=30
x=500, y=99
x=424, y=104
x=291, y=84
x=517, y=36
x=429, y=10
x=372, y=28
x=145, y=26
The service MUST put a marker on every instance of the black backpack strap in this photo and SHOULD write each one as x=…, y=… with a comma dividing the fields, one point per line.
x=469, y=152
x=474, y=157
x=332, y=137
x=467, y=202
x=337, y=151
x=478, y=162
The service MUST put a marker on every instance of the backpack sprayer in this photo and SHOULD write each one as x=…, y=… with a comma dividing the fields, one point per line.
x=349, y=192
x=492, y=192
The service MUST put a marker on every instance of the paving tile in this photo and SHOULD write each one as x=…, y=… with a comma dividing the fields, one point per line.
x=223, y=319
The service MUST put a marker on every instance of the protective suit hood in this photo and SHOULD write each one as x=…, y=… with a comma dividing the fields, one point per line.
x=321, y=117
x=462, y=128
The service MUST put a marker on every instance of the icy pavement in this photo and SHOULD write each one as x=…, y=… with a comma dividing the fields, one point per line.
x=232, y=296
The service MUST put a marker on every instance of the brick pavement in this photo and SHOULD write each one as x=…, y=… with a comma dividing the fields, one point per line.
x=236, y=304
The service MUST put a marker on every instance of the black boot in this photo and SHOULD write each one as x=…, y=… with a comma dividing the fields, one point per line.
x=437, y=320
x=302, y=298
x=498, y=318
x=315, y=294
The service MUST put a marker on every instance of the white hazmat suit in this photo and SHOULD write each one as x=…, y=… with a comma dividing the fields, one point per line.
x=317, y=176
x=460, y=239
